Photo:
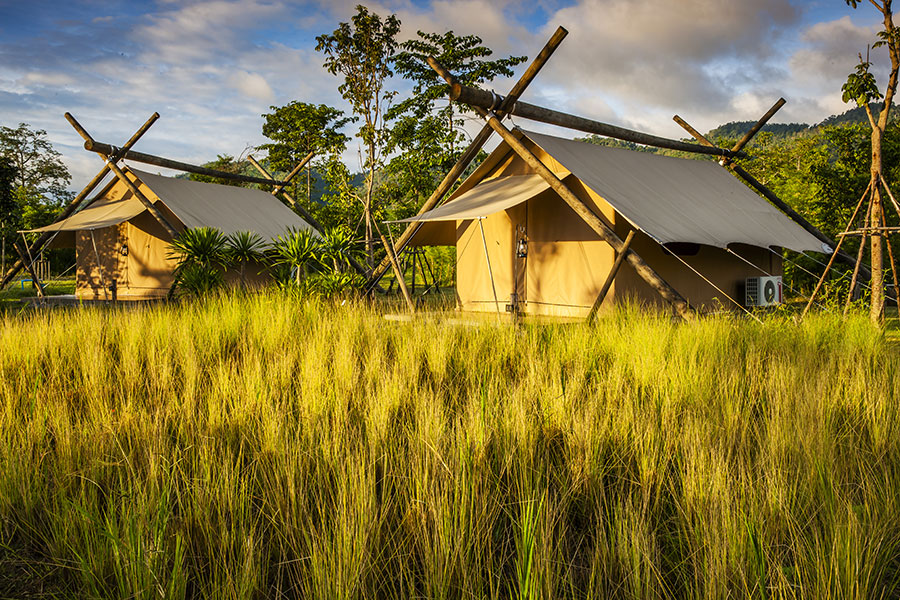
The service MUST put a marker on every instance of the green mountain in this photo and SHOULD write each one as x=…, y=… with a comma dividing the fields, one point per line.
x=736, y=129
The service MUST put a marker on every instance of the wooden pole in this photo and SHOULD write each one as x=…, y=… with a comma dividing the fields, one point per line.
x=776, y=201
x=472, y=151
x=755, y=129
x=477, y=98
x=29, y=266
x=46, y=236
x=609, y=278
x=397, y=272
x=859, y=256
x=167, y=163
x=292, y=174
x=661, y=286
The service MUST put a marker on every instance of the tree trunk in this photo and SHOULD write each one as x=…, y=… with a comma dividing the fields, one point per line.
x=876, y=312
x=367, y=208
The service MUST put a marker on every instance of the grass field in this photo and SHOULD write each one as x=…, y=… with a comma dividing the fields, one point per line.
x=261, y=448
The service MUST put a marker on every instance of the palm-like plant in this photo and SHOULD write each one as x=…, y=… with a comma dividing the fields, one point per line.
x=202, y=255
x=245, y=247
x=297, y=249
x=336, y=246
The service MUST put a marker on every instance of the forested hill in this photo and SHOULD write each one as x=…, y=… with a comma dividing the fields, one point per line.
x=736, y=129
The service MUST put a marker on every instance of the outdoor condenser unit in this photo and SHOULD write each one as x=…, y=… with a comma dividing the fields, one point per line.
x=762, y=291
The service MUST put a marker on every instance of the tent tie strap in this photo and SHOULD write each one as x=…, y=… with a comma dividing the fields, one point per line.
x=496, y=99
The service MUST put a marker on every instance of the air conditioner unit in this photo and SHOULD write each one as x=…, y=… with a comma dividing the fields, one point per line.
x=762, y=291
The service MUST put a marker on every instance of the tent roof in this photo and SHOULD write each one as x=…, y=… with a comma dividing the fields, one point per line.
x=678, y=199
x=195, y=204
x=486, y=198
x=225, y=207
x=670, y=199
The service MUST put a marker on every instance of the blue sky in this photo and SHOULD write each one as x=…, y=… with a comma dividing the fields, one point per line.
x=212, y=67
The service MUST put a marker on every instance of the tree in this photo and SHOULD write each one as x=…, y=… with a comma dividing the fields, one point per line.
x=227, y=164
x=299, y=128
x=10, y=214
x=427, y=130
x=38, y=184
x=862, y=89
x=361, y=51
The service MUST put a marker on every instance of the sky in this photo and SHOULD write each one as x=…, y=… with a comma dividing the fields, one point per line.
x=211, y=68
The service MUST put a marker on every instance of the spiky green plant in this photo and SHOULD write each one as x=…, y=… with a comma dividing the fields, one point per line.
x=336, y=248
x=202, y=255
x=297, y=249
x=246, y=248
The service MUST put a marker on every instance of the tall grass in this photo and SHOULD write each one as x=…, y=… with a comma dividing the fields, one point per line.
x=250, y=447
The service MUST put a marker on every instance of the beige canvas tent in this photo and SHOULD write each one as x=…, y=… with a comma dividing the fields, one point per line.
x=117, y=240
x=519, y=244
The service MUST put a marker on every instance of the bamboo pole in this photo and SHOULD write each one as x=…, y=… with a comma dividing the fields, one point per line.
x=609, y=278
x=660, y=285
x=472, y=151
x=167, y=163
x=399, y=274
x=859, y=257
x=46, y=236
x=478, y=98
x=755, y=129
x=776, y=201
x=292, y=174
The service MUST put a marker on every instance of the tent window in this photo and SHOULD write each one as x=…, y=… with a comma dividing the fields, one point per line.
x=683, y=248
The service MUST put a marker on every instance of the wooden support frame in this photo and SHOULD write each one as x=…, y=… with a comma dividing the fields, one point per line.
x=646, y=272
x=472, y=151
x=111, y=160
x=398, y=272
x=834, y=254
x=770, y=195
x=168, y=163
x=651, y=277
x=478, y=98
x=611, y=277
x=76, y=202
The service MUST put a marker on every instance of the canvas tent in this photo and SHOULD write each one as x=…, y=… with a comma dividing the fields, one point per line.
x=117, y=240
x=697, y=226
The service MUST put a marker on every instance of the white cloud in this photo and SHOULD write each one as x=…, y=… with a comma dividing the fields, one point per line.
x=251, y=84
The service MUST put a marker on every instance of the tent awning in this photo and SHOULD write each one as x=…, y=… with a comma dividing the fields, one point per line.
x=486, y=199
x=97, y=216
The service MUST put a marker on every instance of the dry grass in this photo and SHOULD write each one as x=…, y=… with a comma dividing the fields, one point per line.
x=256, y=447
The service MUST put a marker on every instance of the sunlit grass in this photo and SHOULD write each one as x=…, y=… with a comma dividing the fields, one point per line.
x=248, y=447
